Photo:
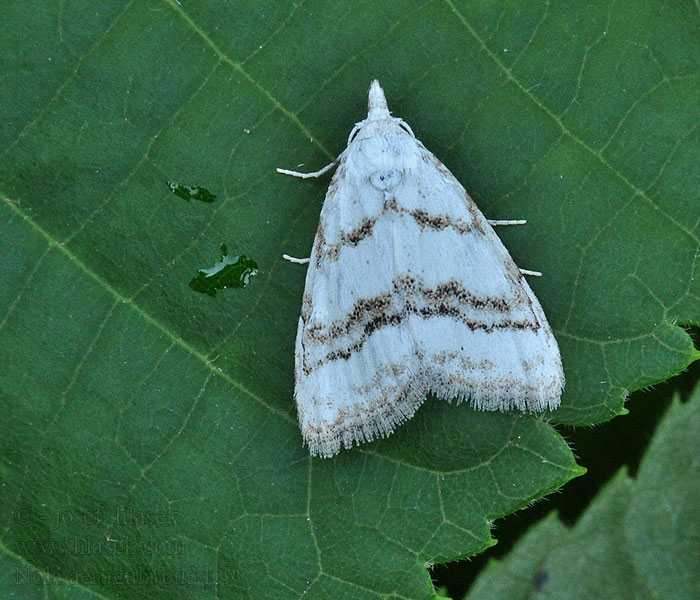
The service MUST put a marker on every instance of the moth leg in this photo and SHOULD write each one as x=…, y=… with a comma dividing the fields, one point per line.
x=515, y=222
x=298, y=261
x=309, y=175
x=493, y=222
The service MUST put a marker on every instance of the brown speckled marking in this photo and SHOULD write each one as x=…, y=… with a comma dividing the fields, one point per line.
x=443, y=357
x=477, y=219
x=476, y=215
x=352, y=238
x=410, y=297
x=320, y=243
x=363, y=308
x=409, y=293
x=306, y=310
x=390, y=203
x=439, y=222
x=396, y=319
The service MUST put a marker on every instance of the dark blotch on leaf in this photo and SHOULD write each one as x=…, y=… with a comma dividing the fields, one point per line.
x=229, y=272
x=189, y=192
x=541, y=578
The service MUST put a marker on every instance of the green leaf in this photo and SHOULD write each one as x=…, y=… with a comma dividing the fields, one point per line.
x=125, y=392
x=640, y=538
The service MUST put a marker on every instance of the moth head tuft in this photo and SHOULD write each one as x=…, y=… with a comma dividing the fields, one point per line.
x=376, y=103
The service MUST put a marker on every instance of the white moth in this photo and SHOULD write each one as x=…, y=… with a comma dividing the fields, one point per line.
x=409, y=290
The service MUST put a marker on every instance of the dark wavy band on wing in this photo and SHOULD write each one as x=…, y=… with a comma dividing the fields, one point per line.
x=410, y=297
x=352, y=238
